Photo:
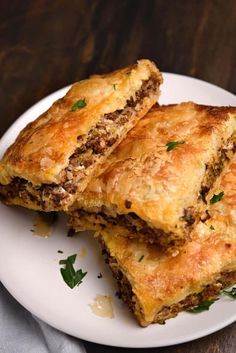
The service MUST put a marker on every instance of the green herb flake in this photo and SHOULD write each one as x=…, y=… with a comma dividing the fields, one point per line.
x=216, y=197
x=172, y=144
x=78, y=105
x=141, y=258
x=114, y=86
x=202, y=307
x=60, y=251
x=231, y=293
x=70, y=276
x=162, y=322
x=212, y=227
x=128, y=73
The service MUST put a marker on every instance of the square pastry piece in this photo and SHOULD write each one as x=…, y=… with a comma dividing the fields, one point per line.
x=154, y=185
x=55, y=156
x=157, y=286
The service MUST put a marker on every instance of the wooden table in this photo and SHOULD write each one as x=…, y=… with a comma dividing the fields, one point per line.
x=45, y=45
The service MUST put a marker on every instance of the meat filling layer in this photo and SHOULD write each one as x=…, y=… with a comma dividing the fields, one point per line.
x=213, y=170
x=137, y=227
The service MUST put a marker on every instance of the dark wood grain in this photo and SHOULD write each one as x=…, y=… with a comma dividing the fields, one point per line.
x=45, y=45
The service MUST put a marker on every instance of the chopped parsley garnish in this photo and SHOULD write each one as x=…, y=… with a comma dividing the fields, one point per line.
x=60, y=251
x=231, y=293
x=212, y=227
x=100, y=275
x=70, y=276
x=78, y=105
x=114, y=86
x=172, y=144
x=217, y=197
x=162, y=322
x=202, y=307
x=141, y=258
x=128, y=73
x=48, y=217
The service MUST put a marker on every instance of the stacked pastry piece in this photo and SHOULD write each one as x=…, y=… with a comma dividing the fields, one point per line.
x=155, y=183
x=164, y=209
x=55, y=156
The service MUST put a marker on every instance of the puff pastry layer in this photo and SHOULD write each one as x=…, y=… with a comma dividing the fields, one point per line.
x=154, y=194
x=157, y=286
x=55, y=156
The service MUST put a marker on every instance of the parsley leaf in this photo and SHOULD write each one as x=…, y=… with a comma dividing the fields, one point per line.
x=172, y=144
x=114, y=86
x=231, y=293
x=70, y=276
x=216, y=197
x=202, y=307
x=212, y=227
x=141, y=258
x=70, y=259
x=78, y=105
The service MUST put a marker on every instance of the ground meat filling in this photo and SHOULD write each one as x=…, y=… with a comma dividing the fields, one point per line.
x=21, y=188
x=215, y=169
x=212, y=172
x=189, y=216
x=138, y=228
x=106, y=132
x=125, y=290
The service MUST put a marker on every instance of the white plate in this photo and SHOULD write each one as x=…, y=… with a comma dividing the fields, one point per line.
x=30, y=271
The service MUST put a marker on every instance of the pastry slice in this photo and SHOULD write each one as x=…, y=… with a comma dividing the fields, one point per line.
x=54, y=157
x=154, y=185
x=157, y=286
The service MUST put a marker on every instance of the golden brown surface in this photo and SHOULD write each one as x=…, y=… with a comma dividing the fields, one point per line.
x=43, y=149
x=160, y=280
x=142, y=177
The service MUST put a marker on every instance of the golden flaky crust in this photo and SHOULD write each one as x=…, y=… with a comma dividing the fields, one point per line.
x=141, y=177
x=160, y=281
x=43, y=149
